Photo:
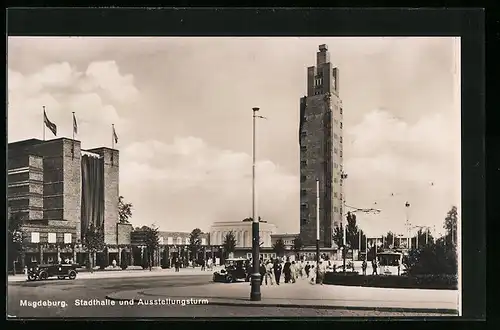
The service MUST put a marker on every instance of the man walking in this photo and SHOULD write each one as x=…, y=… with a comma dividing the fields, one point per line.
x=269, y=272
x=321, y=272
x=277, y=271
x=374, y=266
x=287, y=270
x=364, y=265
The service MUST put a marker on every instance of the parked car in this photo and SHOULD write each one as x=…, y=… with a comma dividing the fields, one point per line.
x=43, y=272
x=235, y=270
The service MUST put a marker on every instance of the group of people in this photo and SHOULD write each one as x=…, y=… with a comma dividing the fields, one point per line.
x=272, y=271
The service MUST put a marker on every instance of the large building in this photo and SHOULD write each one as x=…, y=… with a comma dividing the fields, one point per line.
x=59, y=191
x=242, y=231
x=320, y=139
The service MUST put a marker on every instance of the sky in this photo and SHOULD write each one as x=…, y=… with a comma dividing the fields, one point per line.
x=182, y=109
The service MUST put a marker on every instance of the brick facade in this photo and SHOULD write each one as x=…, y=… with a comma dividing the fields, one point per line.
x=111, y=192
x=320, y=139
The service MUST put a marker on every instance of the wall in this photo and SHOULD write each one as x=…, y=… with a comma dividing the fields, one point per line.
x=242, y=231
x=111, y=192
x=124, y=232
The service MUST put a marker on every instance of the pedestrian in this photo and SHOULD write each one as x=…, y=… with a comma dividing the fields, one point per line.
x=203, y=264
x=177, y=265
x=294, y=271
x=374, y=266
x=287, y=270
x=321, y=272
x=364, y=265
x=114, y=263
x=269, y=272
x=312, y=274
x=277, y=271
x=307, y=269
x=399, y=267
x=262, y=271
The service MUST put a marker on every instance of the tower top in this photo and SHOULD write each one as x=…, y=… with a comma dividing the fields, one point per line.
x=323, y=48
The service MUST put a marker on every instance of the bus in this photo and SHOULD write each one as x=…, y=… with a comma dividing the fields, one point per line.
x=389, y=261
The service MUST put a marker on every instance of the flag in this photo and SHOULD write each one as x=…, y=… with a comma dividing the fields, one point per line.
x=50, y=125
x=75, y=124
x=115, y=137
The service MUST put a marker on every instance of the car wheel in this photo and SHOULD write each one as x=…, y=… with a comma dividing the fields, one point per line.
x=229, y=279
x=31, y=277
x=60, y=277
x=72, y=275
x=43, y=276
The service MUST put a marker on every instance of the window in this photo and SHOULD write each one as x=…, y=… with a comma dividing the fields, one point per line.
x=335, y=180
x=334, y=194
x=303, y=148
x=170, y=241
x=341, y=210
x=335, y=209
x=67, y=238
x=303, y=134
x=340, y=139
x=340, y=124
x=303, y=206
x=341, y=110
x=187, y=240
x=340, y=153
x=303, y=163
x=335, y=136
x=303, y=178
x=179, y=240
x=52, y=237
x=336, y=122
x=35, y=237
x=303, y=193
x=303, y=221
x=335, y=150
x=203, y=241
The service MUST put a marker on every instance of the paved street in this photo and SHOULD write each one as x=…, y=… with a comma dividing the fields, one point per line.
x=88, y=289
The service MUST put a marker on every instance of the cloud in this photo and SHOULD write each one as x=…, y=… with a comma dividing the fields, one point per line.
x=172, y=184
x=390, y=161
x=93, y=95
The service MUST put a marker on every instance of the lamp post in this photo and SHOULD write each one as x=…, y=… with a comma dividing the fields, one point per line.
x=407, y=206
x=255, y=294
x=317, y=230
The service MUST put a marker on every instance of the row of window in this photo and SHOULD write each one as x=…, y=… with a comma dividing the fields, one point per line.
x=52, y=238
x=187, y=241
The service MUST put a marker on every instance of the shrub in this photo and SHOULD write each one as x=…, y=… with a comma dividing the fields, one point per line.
x=443, y=282
x=433, y=259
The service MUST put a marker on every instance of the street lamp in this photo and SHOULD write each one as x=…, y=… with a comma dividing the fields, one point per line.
x=407, y=205
x=255, y=277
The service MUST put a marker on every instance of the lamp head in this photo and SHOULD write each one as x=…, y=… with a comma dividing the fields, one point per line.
x=255, y=109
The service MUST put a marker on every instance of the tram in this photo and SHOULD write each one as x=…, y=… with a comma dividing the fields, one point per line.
x=389, y=262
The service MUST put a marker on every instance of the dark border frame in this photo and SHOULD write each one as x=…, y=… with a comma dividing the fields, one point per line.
x=469, y=24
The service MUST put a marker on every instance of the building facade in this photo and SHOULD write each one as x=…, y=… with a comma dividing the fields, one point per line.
x=242, y=231
x=321, y=151
x=59, y=191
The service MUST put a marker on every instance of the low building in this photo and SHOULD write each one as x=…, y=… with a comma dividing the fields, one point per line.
x=242, y=231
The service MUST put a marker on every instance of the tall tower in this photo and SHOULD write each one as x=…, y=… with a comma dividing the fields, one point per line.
x=320, y=139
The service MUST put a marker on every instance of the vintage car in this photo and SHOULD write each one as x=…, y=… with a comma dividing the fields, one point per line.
x=235, y=270
x=44, y=271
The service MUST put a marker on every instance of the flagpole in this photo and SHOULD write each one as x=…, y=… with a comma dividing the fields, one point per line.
x=43, y=122
x=73, y=143
x=112, y=136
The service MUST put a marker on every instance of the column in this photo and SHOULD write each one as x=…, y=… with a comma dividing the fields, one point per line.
x=41, y=253
x=119, y=256
x=58, y=253
x=131, y=256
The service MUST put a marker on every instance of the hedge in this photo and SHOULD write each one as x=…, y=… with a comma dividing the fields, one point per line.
x=437, y=282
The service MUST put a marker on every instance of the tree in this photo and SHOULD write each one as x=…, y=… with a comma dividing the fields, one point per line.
x=124, y=210
x=15, y=239
x=279, y=247
x=450, y=225
x=422, y=238
x=338, y=236
x=229, y=243
x=433, y=259
x=195, y=243
x=389, y=240
x=298, y=244
x=152, y=241
x=93, y=241
x=352, y=238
